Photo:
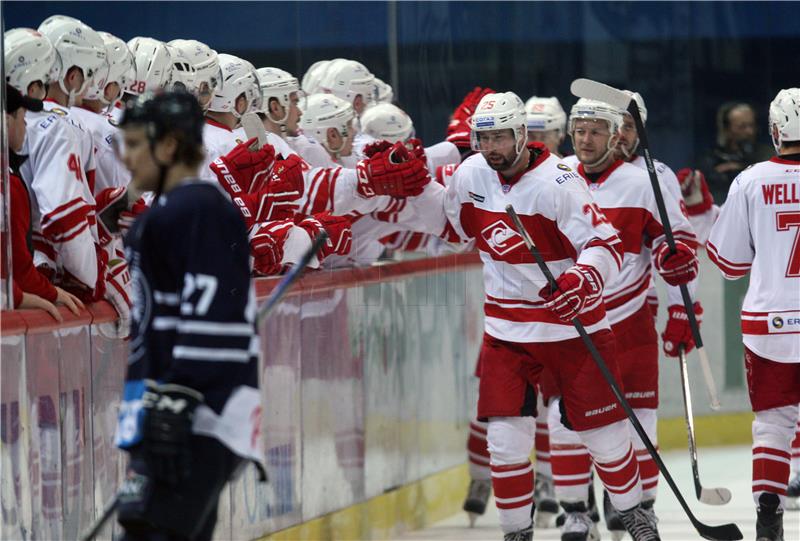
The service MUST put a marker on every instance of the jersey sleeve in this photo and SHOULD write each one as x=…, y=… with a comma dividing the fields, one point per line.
x=730, y=244
x=334, y=189
x=591, y=234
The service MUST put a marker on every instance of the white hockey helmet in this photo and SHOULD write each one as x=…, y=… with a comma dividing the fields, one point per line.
x=238, y=77
x=76, y=45
x=500, y=111
x=784, y=117
x=639, y=102
x=347, y=79
x=153, y=64
x=29, y=57
x=313, y=75
x=277, y=84
x=545, y=114
x=325, y=111
x=203, y=59
x=387, y=121
x=384, y=91
x=586, y=109
x=119, y=69
x=183, y=76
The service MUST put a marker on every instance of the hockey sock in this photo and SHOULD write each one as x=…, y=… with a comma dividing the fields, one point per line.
x=648, y=469
x=542, y=444
x=478, y=451
x=510, y=442
x=796, y=449
x=615, y=463
x=773, y=430
x=569, y=459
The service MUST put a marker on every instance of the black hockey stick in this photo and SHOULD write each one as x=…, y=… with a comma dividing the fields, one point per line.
x=724, y=532
x=98, y=524
x=586, y=88
x=710, y=496
x=291, y=277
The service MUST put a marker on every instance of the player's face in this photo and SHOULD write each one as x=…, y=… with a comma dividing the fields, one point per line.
x=499, y=148
x=112, y=92
x=550, y=138
x=138, y=158
x=294, y=114
x=16, y=129
x=590, y=139
x=628, y=137
x=343, y=144
x=359, y=104
x=204, y=94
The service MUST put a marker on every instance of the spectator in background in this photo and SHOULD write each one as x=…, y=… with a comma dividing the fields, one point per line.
x=736, y=148
x=31, y=288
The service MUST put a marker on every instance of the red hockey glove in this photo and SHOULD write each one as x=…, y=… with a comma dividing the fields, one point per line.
x=243, y=170
x=277, y=201
x=694, y=188
x=118, y=291
x=392, y=172
x=266, y=246
x=291, y=170
x=416, y=148
x=580, y=286
x=378, y=146
x=127, y=217
x=678, y=268
x=340, y=238
x=678, y=330
x=458, y=131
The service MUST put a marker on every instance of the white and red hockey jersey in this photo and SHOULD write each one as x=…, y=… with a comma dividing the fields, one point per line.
x=110, y=172
x=758, y=230
x=81, y=136
x=624, y=194
x=557, y=210
x=62, y=206
x=310, y=150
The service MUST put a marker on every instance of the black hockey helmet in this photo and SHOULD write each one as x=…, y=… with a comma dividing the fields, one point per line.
x=166, y=112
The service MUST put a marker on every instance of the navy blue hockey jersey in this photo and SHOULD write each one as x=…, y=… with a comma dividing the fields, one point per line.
x=193, y=315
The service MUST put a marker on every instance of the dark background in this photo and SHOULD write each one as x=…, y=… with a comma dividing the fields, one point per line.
x=685, y=58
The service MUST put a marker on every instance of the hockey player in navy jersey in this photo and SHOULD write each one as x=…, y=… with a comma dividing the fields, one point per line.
x=190, y=414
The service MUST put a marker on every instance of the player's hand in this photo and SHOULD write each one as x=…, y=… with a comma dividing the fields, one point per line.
x=290, y=170
x=679, y=268
x=243, y=170
x=392, y=171
x=69, y=300
x=340, y=238
x=167, y=431
x=678, y=331
x=127, y=217
x=695, y=192
x=266, y=246
x=118, y=293
x=31, y=301
x=579, y=287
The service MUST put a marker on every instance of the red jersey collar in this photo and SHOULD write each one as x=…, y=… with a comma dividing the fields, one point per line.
x=213, y=122
x=532, y=147
x=611, y=168
x=778, y=159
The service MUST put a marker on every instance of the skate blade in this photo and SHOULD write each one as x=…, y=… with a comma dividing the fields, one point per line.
x=472, y=518
x=543, y=519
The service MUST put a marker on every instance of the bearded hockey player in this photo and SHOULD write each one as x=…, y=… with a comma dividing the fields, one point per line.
x=758, y=231
x=191, y=407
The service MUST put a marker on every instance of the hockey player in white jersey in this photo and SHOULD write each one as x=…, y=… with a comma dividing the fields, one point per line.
x=384, y=93
x=624, y=195
x=206, y=67
x=527, y=325
x=758, y=231
x=329, y=122
x=313, y=75
x=547, y=122
x=62, y=206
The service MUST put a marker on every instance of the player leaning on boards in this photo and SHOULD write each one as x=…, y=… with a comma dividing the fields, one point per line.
x=759, y=229
x=527, y=326
x=191, y=407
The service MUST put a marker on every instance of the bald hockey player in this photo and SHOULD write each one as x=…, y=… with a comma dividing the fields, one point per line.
x=758, y=231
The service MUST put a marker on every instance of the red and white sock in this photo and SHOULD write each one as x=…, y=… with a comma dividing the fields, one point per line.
x=569, y=460
x=796, y=449
x=478, y=451
x=773, y=431
x=542, y=445
x=770, y=471
x=513, y=494
x=621, y=479
x=648, y=469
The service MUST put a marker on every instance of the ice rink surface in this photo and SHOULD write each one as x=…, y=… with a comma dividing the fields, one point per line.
x=728, y=467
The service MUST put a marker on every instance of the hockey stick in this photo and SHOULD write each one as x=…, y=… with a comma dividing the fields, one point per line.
x=710, y=496
x=290, y=277
x=724, y=532
x=586, y=88
x=98, y=524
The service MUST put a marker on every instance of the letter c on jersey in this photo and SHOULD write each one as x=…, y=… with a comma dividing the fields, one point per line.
x=501, y=238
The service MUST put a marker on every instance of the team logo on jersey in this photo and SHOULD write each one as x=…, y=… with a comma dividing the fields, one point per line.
x=501, y=238
x=59, y=111
x=476, y=197
x=777, y=322
x=563, y=167
x=783, y=322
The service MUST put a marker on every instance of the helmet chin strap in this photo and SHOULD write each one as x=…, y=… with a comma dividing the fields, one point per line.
x=609, y=150
x=521, y=147
x=629, y=153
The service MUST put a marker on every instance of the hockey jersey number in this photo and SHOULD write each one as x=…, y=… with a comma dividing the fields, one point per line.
x=785, y=221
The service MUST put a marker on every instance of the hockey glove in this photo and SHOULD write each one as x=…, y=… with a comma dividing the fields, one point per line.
x=678, y=330
x=167, y=431
x=340, y=238
x=127, y=217
x=679, y=268
x=580, y=286
x=694, y=188
x=392, y=172
x=243, y=170
x=291, y=170
x=378, y=146
x=416, y=149
x=266, y=246
x=458, y=131
x=118, y=291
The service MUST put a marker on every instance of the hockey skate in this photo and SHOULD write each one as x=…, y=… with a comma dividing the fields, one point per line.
x=477, y=497
x=769, y=524
x=578, y=525
x=525, y=534
x=612, y=518
x=546, y=504
x=641, y=523
x=793, y=493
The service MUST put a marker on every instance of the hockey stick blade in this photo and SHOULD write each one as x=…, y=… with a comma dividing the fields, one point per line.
x=711, y=386
x=253, y=127
x=715, y=496
x=290, y=277
x=724, y=532
x=592, y=90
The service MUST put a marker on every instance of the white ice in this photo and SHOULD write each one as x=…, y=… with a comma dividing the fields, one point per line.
x=728, y=467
